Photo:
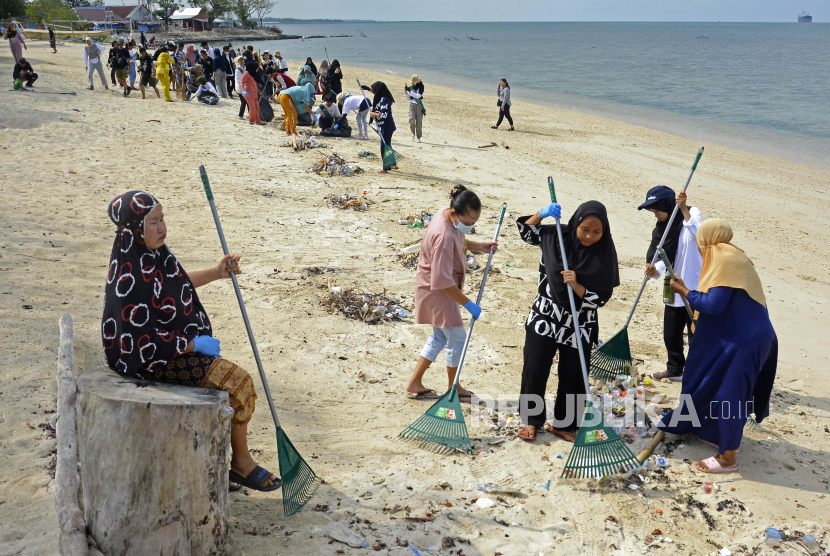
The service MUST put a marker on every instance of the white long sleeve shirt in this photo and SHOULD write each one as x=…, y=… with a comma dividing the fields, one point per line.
x=688, y=261
x=333, y=111
x=352, y=102
x=413, y=96
x=207, y=86
x=88, y=60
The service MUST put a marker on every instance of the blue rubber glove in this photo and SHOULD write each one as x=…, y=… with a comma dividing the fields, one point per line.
x=206, y=345
x=552, y=209
x=335, y=126
x=245, y=93
x=474, y=309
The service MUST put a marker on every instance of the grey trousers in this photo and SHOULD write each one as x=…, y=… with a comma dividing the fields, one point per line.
x=221, y=79
x=416, y=119
x=100, y=67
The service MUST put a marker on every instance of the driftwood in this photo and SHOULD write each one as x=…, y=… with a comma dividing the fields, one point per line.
x=154, y=462
x=71, y=520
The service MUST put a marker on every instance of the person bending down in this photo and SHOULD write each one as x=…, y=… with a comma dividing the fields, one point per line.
x=24, y=72
x=155, y=328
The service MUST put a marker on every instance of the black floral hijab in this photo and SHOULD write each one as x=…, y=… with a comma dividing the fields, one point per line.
x=151, y=310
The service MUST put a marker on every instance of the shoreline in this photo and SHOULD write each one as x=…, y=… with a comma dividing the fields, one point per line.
x=338, y=382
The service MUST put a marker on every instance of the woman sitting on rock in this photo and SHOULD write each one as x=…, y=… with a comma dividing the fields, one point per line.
x=155, y=328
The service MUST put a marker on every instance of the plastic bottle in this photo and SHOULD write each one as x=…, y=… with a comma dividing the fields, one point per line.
x=810, y=544
x=668, y=295
x=492, y=487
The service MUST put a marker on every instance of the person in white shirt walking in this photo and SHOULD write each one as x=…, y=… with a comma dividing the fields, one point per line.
x=92, y=62
x=682, y=251
x=414, y=93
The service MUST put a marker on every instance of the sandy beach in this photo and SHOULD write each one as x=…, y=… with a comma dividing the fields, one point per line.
x=338, y=383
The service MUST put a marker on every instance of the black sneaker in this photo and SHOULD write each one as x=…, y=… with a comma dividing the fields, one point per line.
x=124, y=93
x=127, y=92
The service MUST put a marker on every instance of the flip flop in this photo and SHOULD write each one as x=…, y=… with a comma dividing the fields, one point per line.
x=466, y=398
x=236, y=488
x=526, y=437
x=715, y=467
x=560, y=434
x=715, y=446
x=423, y=395
x=255, y=479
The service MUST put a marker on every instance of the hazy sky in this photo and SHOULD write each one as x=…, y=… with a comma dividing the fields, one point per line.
x=555, y=10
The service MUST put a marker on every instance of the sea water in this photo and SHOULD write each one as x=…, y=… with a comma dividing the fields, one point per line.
x=762, y=87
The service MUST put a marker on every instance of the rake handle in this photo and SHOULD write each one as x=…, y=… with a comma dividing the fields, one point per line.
x=251, y=339
x=478, y=299
x=670, y=270
x=574, y=313
x=663, y=239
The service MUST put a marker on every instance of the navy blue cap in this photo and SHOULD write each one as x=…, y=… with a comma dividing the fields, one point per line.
x=657, y=193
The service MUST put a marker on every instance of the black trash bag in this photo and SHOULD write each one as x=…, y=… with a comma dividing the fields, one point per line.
x=325, y=121
x=304, y=119
x=208, y=98
x=342, y=131
x=266, y=113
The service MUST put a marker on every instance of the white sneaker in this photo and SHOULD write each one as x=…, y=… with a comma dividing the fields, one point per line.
x=419, y=139
x=413, y=136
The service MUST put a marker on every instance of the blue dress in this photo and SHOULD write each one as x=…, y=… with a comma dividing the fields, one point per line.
x=730, y=369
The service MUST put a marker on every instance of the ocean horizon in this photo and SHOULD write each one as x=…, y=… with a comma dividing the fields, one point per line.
x=760, y=87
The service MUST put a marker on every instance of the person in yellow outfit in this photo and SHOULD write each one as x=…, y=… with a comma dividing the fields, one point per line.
x=163, y=72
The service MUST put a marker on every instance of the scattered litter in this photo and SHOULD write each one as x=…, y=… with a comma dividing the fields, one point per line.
x=340, y=532
x=492, y=487
x=347, y=200
x=334, y=165
x=409, y=260
x=366, y=306
x=367, y=154
x=809, y=542
x=772, y=537
x=485, y=503
x=491, y=144
x=725, y=552
x=420, y=219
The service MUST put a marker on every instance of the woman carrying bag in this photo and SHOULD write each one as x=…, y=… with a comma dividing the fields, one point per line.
x=504, y=103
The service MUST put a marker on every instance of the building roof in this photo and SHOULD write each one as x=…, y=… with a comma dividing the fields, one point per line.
x=190, y=13
x=98, y=14
x=122, y=11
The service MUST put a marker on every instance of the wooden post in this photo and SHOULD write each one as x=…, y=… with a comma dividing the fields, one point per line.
x=71, y=521
x=154, y=463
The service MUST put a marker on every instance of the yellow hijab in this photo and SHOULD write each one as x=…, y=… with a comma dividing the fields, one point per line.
x=724, y=264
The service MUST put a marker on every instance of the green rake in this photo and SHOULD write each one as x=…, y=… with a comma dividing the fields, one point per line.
x=298, y=479
x=614, y=356
x=390, y=156
x=597, y=450
x=443, y=423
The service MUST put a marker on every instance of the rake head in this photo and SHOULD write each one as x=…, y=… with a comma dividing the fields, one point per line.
x=610, y=359
x=298, y=479
x=391, y=156
x=598, y=451
x=442, y=424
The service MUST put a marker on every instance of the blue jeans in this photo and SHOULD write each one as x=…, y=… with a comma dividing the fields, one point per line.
x=451, y=340
x=132, y=74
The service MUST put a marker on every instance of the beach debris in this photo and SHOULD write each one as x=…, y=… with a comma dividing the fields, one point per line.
x=367, y=154
x=334, y=165
x=340, y=532
x=485, y=503
x=490, y=144
x=420, y=219
x=369, y=307
x=498, y=489
x=409, y=260
x=348, y=200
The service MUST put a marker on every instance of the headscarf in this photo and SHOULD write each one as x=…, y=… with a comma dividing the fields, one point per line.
x=662, y=198
x=190, y=53
x=380, y=90
x=724, y=264
x=312, y=90
x=310, y=63
x=307, y=78
x=324, y=69
x=596, y=266
x=333, y=66
x=151, y=310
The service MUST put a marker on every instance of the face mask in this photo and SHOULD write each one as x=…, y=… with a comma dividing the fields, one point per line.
x=463, y=228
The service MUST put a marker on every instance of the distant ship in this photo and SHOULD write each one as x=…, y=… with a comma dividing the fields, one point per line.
x=805, y=18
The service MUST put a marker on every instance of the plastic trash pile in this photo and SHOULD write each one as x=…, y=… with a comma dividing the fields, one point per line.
x=334, y=165
x=347, y=200
x=420, y=219
x=408, y=256
x=369, y=307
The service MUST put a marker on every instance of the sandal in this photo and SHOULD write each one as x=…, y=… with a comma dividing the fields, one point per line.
x=714, y=466
x=494, y=127
x=428, y=394
x=564, y=435
x=527, y=437
x=255, y=479
x=232, y=488
x=715, y=446
x=466, y=398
